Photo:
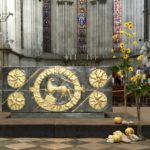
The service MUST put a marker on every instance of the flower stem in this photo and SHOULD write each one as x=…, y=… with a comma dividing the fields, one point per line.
x=125, y=99
x=139, y=126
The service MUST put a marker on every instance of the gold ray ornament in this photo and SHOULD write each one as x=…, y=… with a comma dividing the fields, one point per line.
x=98, y=100
x=16, y=101
x=16, y=78
x=98, y=78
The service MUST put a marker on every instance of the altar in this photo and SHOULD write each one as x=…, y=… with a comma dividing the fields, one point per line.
x=57, y=91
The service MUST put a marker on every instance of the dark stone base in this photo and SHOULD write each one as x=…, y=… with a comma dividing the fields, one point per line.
x=70, y=127
x=64, y=131
x=57, y=115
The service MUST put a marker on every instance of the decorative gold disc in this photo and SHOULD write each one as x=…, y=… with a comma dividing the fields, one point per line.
x=98, y=78
x=97, y=100
x=16, y=78
x=49, y=101
x=16, y=101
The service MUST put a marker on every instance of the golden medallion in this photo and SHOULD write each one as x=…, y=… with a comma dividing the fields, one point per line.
x=16, y=101
x=97, y=100
x=98, y=78
x=16, y=78
x=49, y=102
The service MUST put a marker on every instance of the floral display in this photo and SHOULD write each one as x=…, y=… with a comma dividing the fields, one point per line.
x=135, y=80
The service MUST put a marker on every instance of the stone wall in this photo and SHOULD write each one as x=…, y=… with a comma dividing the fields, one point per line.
x=64, y=21
x=133, y=11
x=100, y=28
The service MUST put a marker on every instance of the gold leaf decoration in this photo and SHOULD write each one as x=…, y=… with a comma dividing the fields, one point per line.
x=97, y=100
x=16, y=101
x=49, y=101
x=16, y=78
x=98, y=78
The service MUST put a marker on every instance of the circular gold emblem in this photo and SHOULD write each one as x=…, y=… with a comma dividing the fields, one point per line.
x=16, y=101
x=97, y=100
x=16, y=78
x=98, y=78
x=50, y=100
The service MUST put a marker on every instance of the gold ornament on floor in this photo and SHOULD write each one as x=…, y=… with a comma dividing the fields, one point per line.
x=16, y=78
x=16, y=101
x=98, y=78
x=49, y=102
x=97, y=100
x=129, y=131
x=117, y=120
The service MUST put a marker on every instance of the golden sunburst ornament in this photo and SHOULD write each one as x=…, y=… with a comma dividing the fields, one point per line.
x=16, y=101
x=98, y=78
x=16, y=78
x=97, y=100
x=49, y=102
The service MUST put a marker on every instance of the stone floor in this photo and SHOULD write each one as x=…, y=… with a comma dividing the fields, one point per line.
x=68, y=144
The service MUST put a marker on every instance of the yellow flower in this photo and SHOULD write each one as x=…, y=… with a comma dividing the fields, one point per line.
x=119, y=73
x=138, y=76
x=130, y=69
x=122, y=32
x=121, y=45
x=133, y=78
x=128, y=50
x=139, y=57
x=134, y=33
x=126, y=56
x=130, y=23
x=115, y=36
x=114, y=57
x=128, y=35
x=126, y=24
x=123, y=50
x=112, y=50
x=130, y=27
x=144, y=76
x=135, y=43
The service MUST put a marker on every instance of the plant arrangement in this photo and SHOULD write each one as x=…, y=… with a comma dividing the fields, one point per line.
x=122, y=52
x=135, y=83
